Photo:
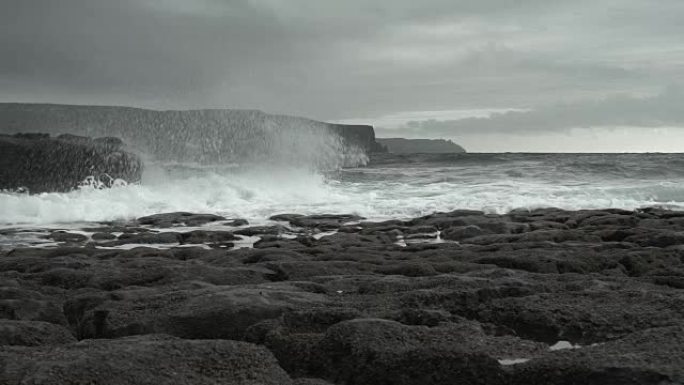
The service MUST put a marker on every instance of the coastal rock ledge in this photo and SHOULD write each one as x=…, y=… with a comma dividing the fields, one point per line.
x=39, y=163
x=535, y=297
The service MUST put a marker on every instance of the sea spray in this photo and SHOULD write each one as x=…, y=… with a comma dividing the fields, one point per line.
x=201, y=136
x=392, y=187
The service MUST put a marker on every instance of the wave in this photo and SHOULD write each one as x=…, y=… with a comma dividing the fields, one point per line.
x=256, y=194
x=378, y=191
x=251, y=193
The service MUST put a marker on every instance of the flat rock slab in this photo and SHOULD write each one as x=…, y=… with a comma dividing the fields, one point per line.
x=207, y=312
x=179, y=219
x=653, y=356
x=482, y=299
x=586, y=316
x=33, y=333
x=322, y=222
x=386, y=352
x=152, y=360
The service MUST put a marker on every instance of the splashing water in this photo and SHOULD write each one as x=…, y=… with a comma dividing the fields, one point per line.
x=389, y=187
x=101, y=182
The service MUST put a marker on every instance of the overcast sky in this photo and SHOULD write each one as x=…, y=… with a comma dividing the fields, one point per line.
x=496, y=75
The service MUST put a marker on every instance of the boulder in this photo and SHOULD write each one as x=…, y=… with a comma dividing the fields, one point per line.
x=40, y=163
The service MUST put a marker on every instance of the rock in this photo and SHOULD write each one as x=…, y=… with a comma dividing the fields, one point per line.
x=411, y=269
x=322, y=222
x=555, y=236
x=178, y=219
x=208, y=312
x=302, y=270
x=412, y=230
x=67, y=268
x=547, y=225
x=285, y=217
x=103, y=236
x=422, y=317
x=310, y=381
x=111, y=227
x=256, y=256
x=652, y=356
x=372, y=351
x=33, y=333
x=236, y=222
x=463, y=218
x=460, y=233
x=356, y=308
x=27, y=305
x=584, y=317
x=617, y=220
x=212, y=237
x=40, y=163
x=146, y=238
x=142, y=360
x=260, y=230
x=63, y=236
x=358, y=136
x=657, y=239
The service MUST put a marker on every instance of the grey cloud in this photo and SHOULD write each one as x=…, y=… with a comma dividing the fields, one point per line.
x=335, y=59
x=662, y=110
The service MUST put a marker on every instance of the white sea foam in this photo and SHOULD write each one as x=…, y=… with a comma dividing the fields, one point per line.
x=513, y=361
x=255, y=193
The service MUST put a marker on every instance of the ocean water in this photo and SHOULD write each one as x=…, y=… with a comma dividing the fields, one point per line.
x=382, y=187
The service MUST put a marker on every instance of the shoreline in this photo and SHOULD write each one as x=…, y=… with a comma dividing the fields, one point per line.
x=528, y=297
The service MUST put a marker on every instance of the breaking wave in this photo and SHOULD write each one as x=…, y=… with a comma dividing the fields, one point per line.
x=399, y=188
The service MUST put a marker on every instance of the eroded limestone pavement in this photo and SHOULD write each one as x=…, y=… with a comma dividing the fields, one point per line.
x=531, y=297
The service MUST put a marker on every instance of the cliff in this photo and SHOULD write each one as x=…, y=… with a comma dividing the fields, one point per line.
x=424, y=146
x=192, y=135
x=362, y=134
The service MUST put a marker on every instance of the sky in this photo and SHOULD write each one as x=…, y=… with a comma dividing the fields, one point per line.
x=493, y=75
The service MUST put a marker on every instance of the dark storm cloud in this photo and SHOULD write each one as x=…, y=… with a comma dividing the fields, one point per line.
x=336, y=59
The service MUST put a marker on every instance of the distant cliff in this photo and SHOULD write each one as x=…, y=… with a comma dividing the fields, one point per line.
x=415, y=146
x=192, y=135
x=364, y=135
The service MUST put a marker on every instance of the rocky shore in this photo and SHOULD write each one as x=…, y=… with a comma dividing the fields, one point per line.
x=531, y=297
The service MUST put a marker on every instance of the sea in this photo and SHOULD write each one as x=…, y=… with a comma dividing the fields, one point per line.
x=376, y=186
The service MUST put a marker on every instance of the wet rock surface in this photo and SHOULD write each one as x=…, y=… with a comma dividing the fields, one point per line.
x=37, y=163
x=142, y=360
x=460, y=297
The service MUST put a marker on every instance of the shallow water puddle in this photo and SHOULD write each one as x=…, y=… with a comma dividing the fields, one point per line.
x=513, y=361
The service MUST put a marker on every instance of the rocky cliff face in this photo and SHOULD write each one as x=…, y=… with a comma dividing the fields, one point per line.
x=364, y=135
x=194, y=135
x=419, y=146
x=40, y=163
